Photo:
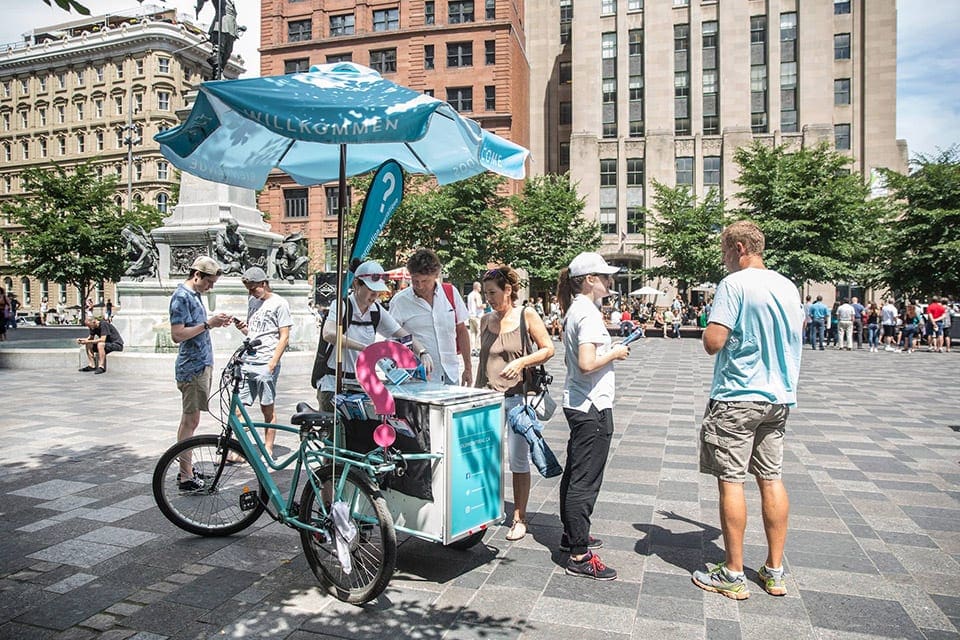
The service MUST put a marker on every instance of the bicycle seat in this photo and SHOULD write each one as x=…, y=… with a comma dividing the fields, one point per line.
x=308, y=416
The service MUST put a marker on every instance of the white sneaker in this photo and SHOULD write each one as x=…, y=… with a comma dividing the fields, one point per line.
x=888, y=348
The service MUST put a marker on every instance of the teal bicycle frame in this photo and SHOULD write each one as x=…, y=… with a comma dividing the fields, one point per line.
x=312, y=451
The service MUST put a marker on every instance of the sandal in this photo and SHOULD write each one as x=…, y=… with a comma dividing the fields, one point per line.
x=233, y=459
x=517, y=531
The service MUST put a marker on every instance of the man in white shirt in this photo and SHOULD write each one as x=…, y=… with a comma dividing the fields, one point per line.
x=475, y=308
x=888, y=320
x=435, y=314
x=845, y=317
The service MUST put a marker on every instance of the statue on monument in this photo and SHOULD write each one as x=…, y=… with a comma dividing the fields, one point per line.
x=142, y=253
x=223, y=33
x=231, y=249
x=292, y=259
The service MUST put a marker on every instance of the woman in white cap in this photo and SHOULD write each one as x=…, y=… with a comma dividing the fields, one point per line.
x=587, y=405
x=366, y=318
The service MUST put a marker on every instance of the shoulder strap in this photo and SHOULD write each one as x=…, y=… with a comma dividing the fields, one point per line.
x=524, y=336
x=448, y=290
x=375, y=315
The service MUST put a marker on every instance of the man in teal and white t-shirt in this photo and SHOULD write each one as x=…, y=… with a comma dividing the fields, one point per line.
x=755, y=330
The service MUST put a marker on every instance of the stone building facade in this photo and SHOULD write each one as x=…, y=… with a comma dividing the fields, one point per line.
x=95, y=89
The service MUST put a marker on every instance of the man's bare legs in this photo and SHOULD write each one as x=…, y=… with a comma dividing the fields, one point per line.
x=776, y=512
x=188, y=424
x=269, y=435
x=733, y=520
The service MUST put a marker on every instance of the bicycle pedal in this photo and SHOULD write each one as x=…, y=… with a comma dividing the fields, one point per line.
x=248, y=500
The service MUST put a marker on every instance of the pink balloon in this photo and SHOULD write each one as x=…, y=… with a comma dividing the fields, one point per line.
x=384, y=435
x=367, y=372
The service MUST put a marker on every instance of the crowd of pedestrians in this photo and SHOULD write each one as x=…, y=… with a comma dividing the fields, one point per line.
x=900, y=327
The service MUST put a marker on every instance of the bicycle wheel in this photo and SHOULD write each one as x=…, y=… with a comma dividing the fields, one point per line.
x=213, y=507
x=373, y=552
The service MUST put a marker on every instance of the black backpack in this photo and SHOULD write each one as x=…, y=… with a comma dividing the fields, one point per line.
x=325, y=349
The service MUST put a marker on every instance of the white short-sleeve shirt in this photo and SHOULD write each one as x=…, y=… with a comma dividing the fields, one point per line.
x=434, y=327
x=584, y=324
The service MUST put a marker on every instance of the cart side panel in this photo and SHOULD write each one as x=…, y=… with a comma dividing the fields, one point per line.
x=474, y=458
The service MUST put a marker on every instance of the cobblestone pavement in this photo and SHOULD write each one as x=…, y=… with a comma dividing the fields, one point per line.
x=874, y=547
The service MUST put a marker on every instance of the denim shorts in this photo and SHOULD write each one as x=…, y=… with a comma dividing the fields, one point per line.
x=259, y=384
x=736, y=437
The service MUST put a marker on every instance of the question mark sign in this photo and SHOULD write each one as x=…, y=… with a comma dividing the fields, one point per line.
x=391, y=182
x=367, y=372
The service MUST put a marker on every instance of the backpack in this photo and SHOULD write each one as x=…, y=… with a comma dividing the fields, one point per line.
x=321, y=361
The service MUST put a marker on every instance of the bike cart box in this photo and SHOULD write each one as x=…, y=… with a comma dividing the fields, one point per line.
x=465, y=428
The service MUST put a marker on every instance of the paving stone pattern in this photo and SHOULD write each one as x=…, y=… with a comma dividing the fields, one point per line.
x=871, y=465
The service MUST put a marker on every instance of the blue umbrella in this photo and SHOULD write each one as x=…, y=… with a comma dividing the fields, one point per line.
x=239, y=130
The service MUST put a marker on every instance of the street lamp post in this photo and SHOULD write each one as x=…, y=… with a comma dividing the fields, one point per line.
x=131, y=138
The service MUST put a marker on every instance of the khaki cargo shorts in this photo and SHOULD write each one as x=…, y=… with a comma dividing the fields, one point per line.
x=194, y=392
x=736, y=437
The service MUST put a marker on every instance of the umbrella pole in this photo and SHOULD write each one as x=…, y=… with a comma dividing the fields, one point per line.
x=338, y=376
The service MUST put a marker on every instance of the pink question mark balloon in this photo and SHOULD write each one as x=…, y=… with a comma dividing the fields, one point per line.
x=367, y=372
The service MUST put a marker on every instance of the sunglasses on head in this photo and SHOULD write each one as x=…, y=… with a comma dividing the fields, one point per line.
x=375, y=277
x=493, y=273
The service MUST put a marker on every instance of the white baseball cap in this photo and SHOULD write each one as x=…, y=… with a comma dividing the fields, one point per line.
x=589, y=262
x=372, y=275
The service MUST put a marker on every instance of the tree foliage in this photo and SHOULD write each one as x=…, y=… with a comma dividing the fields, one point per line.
x=922, y=253
x=685, y=235
x=71, y=226
x=548, y=229
x=69, y=5
x=819, y=222
x=460, y=221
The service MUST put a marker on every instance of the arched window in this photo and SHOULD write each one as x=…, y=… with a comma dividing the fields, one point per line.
x=8, y=285
x=101, y=292
x=137, y=198
x=25, y=290
x=162, y=200
x=62, y=293
x=44, y=289
x=118, y=201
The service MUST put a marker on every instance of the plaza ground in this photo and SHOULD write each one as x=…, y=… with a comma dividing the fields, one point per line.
x=871, y=465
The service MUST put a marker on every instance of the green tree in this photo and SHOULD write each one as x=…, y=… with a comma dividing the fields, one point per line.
x=68, y=5
x=71, y=226
x=460, y=221
x=922, y=253
x=818, y=218
x=548, y=229
x=685, y=235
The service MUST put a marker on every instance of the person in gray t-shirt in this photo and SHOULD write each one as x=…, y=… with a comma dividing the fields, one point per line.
x=269, y=321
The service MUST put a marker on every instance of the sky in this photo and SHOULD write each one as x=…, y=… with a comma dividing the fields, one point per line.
x=928, y=57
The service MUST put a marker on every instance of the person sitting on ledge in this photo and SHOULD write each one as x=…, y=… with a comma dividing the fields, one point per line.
x=104, y=338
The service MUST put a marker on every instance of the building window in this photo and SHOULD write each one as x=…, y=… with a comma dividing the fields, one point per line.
x=330, y=254
x=295, y=203
x=340, y=57
x=428, y=92
x=333, y=200
x=41, y=116
x=119, y=139
x=6, y=121
x=711, y=85
x=384, y=60
x=81, y=143
x=79, y=106
x=299, y=65
x=788, y=72
x=428, y=55
x=81, y=78
x=634, y=172
x=139, y=64
x=758, y=74
x=841, y=46
x=566, y=19
x=685, y=170
x=491, y=9
x=711, y=171
x=98, y=71
x=299, y=30
x=634, y=5
x=840, y=7
x=25, y=290
x=162, y=202
x=461, y=98
x=163, y=65
x=342, y=25
x=118, y=70
x=490, y=51
x=25, y=149
x=118, y=105
x=566, y=113
x=162, y=170
x=386, y=19
x=138, y=103
x=841, y=91
x=608, y=220
x=460, y=11
x=61, y=114
x=42, y=82
x=98, y=107
x=429, y=12
x=42, y=143
x=460, y=54
x=25, y=120
x=98, y=136
x=636, y=220
x=608, y=70
x=608, y=7
x=163, y=100
x=608, y=173
x=565, y=75
x=490, y=98
x=681, y=79
x=6, y=88
x=138, y=171
x=61, y=80
x=841, y=136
